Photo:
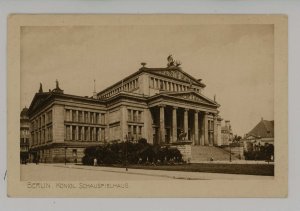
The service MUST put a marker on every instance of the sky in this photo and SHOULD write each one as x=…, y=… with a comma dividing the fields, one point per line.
x=236, y=62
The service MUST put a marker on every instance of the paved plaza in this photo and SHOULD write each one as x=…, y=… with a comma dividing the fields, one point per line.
x=70, y=172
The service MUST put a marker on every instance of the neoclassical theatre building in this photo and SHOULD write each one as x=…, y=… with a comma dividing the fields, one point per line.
x=163, y=105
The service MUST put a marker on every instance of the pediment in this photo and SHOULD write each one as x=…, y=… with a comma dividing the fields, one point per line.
x=192, y=96
x=177, y=73
x=37, y=101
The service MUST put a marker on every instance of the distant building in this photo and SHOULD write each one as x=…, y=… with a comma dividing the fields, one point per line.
x=163, y=105
x=24, y=135
x=260, y=135
x=226, y=133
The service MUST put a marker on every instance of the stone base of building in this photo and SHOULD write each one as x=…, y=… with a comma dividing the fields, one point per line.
x=57, y=154
x=185, y=149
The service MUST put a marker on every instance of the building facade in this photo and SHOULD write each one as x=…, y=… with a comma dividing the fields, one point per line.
x=24, y=135
x=226, y=133
x=162, y=105
x=261, y=135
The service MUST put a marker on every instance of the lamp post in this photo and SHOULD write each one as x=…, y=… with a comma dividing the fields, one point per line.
x=126, y=151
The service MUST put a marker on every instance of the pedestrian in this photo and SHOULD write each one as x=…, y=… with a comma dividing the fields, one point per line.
x=95, y=161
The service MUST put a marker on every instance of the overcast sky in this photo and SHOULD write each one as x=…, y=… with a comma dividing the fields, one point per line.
x=236, y=62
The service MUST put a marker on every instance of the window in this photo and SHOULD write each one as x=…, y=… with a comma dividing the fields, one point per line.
x=67, y=117
x=97, y=134
x=74, y=152
x=73, y=115
x=91, y=134
x=79, y=133
x=86, y=133
x=134, y=116
x=68, y=133
x=134, y=130
x=102, y=118
x=92, y=117
x=102, y=134
x=80, y=116
x=73, y=133
x=86, y=117
x=129, y=115
x=97, y=118
x=139, y=116
x=49, y=116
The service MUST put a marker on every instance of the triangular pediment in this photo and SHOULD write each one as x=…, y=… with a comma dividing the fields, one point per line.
x=193, y=96
x=176, y=73
x=38, y=100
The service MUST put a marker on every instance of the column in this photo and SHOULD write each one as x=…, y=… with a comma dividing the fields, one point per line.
x=162, y=124
x=186, y=123
x=196, y=128
x=206, y=141
x=124, y=119
x=174, y=124
x=215, y=131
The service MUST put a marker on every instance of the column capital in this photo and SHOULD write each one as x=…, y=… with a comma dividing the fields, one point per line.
x=186, y=109
x=196, y=111
x=175, y=107
x=161, y=105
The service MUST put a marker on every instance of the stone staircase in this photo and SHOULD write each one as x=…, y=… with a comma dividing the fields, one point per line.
x=205, y=153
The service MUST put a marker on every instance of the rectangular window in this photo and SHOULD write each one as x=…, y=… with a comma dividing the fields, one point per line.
x=50, y=116
x=102, y=118
x=92, y=117
x=129, y=115
x=97, y=118
x=73, y=133
x=86, y=117
x=79, y=133
x=80, y=116
x=91, y=134
x=86, y=133
x=139, y=116
x=134, y=115
x=102, y=134
x=97, y=134
x=73, y=116
x=67, y=117
x=68, y=132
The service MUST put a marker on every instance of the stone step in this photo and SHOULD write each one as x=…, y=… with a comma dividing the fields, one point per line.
x=206, y=153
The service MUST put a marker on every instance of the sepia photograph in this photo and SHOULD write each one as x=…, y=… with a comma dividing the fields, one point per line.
x=148, y=105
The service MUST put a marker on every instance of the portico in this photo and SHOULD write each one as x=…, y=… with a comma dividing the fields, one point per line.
x=176, y=120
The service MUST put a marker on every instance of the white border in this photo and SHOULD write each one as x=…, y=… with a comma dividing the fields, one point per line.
x=289, y=7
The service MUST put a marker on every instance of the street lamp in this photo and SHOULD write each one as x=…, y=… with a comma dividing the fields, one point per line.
x=126, y=151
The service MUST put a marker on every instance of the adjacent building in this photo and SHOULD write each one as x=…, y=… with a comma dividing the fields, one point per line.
x=226, y=133
x=24, y=135
x=163, y=105
x=260, y=135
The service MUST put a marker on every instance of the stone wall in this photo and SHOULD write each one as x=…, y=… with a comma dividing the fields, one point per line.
x=185, y=149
